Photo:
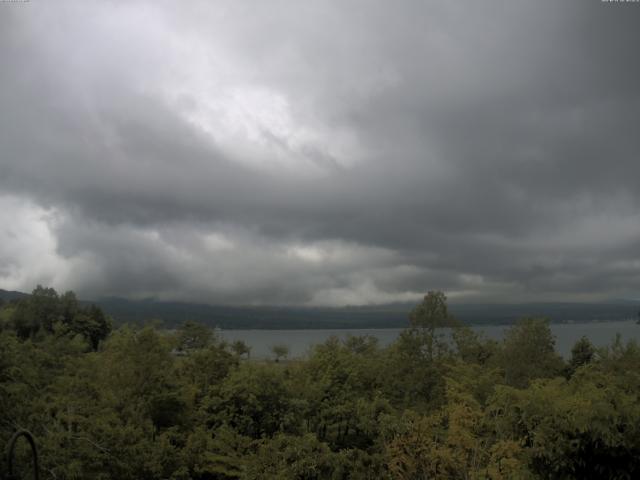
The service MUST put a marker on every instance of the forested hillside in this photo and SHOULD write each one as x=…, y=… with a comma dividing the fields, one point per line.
x=172, y=314
x=141, y=403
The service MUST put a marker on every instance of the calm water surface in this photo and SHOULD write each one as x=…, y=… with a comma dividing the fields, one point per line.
x=300, y=341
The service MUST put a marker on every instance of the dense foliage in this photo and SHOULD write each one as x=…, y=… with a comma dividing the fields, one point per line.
x=140, y=403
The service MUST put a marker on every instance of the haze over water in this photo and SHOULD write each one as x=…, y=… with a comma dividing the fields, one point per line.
x=300, y=341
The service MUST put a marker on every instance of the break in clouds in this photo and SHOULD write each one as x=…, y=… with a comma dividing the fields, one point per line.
x=321, y=153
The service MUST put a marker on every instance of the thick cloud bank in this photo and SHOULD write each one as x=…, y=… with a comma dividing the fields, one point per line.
x=321, y=153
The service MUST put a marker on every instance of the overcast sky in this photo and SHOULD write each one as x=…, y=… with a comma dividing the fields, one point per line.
x=321, y=153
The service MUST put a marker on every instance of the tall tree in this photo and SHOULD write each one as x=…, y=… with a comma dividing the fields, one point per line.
x=240, y=348
x=194, y=336
x=582, y=353
x=425, y=318
x=528, y=352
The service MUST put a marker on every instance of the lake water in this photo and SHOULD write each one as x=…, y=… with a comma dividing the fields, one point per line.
x=300, y=341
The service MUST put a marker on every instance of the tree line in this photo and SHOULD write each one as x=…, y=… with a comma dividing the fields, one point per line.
x=143, y=403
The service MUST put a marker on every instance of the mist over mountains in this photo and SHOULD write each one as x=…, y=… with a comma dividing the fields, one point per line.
x=395, y=315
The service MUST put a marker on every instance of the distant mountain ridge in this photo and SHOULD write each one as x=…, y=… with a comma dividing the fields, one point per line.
x=172, y=314
x=8, y=295
x=380, y=316
x=251, y=317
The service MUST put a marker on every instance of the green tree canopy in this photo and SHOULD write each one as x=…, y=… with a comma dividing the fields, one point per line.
x=528, y=352
x=193, y=336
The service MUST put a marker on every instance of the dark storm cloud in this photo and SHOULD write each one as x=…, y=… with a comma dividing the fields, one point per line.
x=344, y=152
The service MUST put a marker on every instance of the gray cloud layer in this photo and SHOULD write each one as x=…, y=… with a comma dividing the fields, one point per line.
x=321, y=152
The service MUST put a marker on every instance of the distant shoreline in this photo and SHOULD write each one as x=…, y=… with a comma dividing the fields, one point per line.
x=377, y=327
x=600, y=333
